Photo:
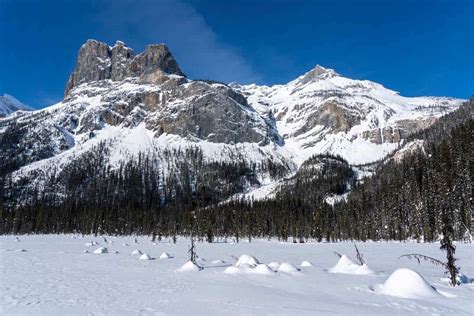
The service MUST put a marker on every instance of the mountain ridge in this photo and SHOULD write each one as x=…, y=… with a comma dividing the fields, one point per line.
x=143, y=103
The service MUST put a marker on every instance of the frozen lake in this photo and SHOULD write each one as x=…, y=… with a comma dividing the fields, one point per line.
x=54, y=276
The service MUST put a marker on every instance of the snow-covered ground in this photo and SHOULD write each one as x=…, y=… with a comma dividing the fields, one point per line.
x=61, y=275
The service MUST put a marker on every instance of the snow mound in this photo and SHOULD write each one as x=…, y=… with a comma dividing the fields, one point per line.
x=86, y=251
x=247, y=259
x=274, y=265
x=189, y=267
x=364, y=270
x=246, y=268
x=144, y=257
x=218, y=261
x=233, y=270
x=347, y=266
x=136, y=252
x=101, y=250
x=92, y=243
x=306, y=264
x=286, y=267
x=165, y=255
x=407, y=283
x=21, y=250
x=262, y=269
x=125, y=244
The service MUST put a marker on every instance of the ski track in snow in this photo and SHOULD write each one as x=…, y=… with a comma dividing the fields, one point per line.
x=55, y=277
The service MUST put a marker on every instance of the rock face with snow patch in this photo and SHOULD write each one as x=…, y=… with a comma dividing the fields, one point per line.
x=98, y=61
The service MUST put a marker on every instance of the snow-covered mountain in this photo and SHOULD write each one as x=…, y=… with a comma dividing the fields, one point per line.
x=8, y=105
x=143, y=103
x=324, y=112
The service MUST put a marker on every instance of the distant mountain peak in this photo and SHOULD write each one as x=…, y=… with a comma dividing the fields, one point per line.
x=318, y=73
x=9, y=104
x=98, y=61
x=320, y=70
x=119, y=43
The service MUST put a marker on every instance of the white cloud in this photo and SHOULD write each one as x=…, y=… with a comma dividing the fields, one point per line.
x=195, y=45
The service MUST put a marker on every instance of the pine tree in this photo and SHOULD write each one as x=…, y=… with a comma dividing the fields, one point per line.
x=447, y=245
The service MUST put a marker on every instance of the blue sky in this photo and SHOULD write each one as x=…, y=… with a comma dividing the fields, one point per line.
x=414, y=47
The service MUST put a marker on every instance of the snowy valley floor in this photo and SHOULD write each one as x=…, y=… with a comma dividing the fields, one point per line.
x=54, y=276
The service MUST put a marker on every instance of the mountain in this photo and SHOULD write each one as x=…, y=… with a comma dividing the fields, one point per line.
x=8, y=105
x=120, y=107
x=324, y=112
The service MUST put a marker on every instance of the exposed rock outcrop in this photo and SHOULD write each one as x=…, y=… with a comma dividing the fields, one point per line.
x=332, y=116
x=401, y=130
x=98, y=61
x=318, y=72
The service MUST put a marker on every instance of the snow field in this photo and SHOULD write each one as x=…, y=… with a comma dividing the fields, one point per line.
x=55, y=277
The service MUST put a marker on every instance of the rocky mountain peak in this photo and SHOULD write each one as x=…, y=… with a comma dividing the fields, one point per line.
x=317, y=73
x=98, y=61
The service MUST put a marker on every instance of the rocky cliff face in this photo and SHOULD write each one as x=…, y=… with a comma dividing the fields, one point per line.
x=150, y=88
x=98, y=61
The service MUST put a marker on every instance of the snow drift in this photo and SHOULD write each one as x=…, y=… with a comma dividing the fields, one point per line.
x=288, y=268
x=406, y=283
x=144, y=256
x=347, y=266
x=101, y=250
x=306, y=264
x=165, y=255
x=189, y=267
x=247, y=259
